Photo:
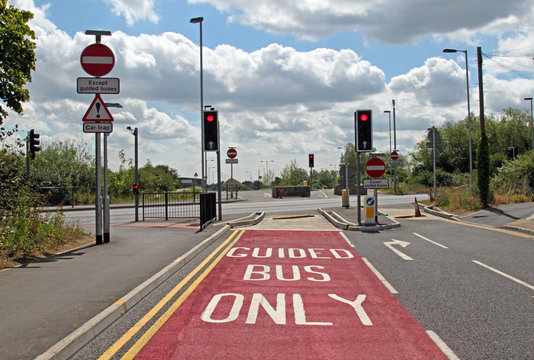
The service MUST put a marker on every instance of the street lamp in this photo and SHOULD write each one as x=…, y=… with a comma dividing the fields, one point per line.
x=389, y=113
x=199, y=20
x=266, y=167
x=531, y=121
x=450, y=51
x=107, y=213
x=135, y=133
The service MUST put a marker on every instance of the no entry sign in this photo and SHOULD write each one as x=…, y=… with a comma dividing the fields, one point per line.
x=375, y=167
x=97, y=59
x=232, y=153
x=394, y=155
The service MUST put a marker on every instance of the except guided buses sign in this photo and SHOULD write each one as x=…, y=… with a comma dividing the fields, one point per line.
x=86, y=85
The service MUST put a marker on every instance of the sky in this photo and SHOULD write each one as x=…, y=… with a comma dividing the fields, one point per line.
x=285, y=76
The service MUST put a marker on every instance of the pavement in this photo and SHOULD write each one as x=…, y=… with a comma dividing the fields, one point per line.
x=51, y=307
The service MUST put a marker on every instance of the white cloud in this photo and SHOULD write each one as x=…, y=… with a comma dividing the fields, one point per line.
x=275, y=102
x=134, y=10
x=390, y=21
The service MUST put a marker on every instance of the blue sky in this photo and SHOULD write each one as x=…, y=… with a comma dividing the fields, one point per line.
x=285, y=77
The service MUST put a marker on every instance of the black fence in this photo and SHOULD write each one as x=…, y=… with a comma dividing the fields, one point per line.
x=208, y=210
x=171, y=205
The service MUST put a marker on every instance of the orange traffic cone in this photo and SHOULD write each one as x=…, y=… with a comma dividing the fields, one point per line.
x=417, y=211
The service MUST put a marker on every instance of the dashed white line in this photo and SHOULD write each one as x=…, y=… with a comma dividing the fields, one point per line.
x=430, y=241
x=521, y=282
x=443, y=347
x=380, y=277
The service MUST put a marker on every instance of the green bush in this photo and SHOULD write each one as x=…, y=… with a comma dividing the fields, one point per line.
x=516, y=177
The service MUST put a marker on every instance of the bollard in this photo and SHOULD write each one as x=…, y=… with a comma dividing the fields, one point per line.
x=417, y=211
x=280, y=194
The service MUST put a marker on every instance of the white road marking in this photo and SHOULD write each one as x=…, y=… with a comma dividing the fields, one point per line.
x=380, y=277
x=505, y=275
x=430, y=241
x=390, y=244
x=346, y=238
x=443, y=347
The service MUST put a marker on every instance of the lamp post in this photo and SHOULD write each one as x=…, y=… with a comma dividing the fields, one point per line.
x=199, y=20
x=107, y=213
x=135, y=133
x=266, y=167
x=449, y=51
x=389, y=113
x=531, y=121
x=394, y=146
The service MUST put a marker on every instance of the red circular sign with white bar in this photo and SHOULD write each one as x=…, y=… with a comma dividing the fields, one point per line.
x=375, y=167
x=97, y=59
x=232, y=153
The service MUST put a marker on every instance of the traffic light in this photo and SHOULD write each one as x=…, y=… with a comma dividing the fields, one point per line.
x=34, y=143
x=135, y=189
x=311, y=158
x=512, y=153
x=363, y=123
x=211, y=130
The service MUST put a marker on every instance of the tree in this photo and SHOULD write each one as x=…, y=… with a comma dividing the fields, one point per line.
x=293, y=175
x=17, y=57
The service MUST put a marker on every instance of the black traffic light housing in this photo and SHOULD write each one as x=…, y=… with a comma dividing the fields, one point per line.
x=34, y=143
x=311, y=159
x=363, y=124
x=211, y=130
x=135, y=189
x=512, y=152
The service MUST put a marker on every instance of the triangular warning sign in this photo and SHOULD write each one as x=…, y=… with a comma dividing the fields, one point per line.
x=98, y=111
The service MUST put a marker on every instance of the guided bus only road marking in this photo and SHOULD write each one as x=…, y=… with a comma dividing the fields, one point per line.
x=286, y=295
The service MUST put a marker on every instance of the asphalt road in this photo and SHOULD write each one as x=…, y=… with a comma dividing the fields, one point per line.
x=471, y=286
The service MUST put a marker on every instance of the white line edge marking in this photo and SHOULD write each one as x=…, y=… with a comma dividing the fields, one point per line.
x=443, y=347
x=531, y=287
x=346, y=238
x=380, y=277
x=430, y=241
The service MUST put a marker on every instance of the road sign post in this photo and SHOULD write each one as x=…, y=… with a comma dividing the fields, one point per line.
x=231, y=153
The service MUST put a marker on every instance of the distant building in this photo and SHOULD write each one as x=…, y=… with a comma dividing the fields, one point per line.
x=188, y=182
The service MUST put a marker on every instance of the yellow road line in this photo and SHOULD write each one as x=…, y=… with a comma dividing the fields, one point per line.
x=136, y=348
x=485, y=227
x=145, y=319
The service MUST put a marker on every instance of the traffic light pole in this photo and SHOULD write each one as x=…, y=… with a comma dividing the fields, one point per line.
x=219, y=199
x=359, y=203
x=136, y=155
x=28, y=156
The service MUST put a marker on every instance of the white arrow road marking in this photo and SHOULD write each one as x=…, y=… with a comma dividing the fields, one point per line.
x=430, y=241
x=390, y=244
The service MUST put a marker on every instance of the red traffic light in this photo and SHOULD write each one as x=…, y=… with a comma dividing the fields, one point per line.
x=364, y=117
x=210, y=118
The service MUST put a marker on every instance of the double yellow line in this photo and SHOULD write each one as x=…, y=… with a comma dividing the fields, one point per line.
x=136, y=348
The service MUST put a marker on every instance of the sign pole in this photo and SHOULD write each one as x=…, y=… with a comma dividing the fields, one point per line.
x=98, y=196
x=106, y=194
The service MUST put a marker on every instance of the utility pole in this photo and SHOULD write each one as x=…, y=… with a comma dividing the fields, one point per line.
x=483, y=149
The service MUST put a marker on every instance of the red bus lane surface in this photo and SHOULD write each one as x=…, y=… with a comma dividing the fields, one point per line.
x=291, y=295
